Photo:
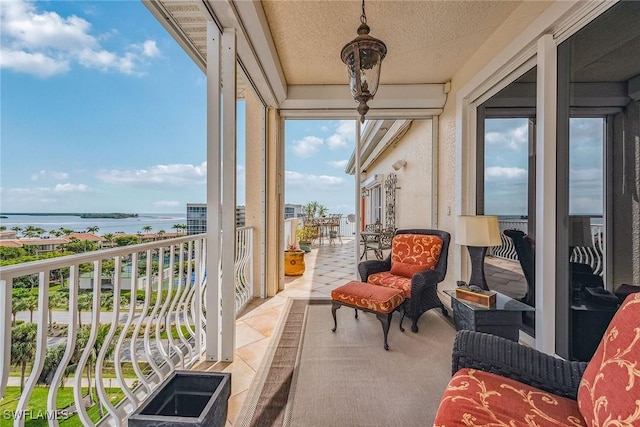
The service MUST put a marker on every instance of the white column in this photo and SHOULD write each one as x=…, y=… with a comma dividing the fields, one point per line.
x=228, y=294
x=545, y=252
x=213, y=192
x=358, y=198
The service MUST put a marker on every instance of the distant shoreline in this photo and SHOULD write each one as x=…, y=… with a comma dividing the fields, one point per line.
x=113, y=215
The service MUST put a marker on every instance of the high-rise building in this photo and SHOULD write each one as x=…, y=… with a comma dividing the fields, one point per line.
x=197, y=217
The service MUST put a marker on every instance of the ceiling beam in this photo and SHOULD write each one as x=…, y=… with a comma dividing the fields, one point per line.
x=421, y=99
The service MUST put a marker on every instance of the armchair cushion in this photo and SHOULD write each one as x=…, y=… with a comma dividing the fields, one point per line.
x=610, y=385
x=390, y=280
x=484, y=399
x=411, y=253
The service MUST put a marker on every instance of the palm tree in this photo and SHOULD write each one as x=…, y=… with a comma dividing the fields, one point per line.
x=66, y=231
x=23, y=347
x=109, y=238
x=93, y=229
x=180, y=227
x=33, y=231
x=32, y=304
x=81, y=343
x=85, y=302
x=18, y=303
x=3, y=228
x=56, y=299
x=16, y=229
x=56, y=233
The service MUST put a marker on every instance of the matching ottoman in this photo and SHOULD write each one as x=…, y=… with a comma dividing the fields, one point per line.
x=380, y=300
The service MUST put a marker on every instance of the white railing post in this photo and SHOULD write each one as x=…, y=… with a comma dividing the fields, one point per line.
x=6, y=285
x=124, y=329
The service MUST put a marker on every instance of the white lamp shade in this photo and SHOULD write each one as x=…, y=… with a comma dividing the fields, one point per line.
x=478, y=230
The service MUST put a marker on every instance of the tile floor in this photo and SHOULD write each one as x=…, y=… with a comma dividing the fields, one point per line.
x=327, y=267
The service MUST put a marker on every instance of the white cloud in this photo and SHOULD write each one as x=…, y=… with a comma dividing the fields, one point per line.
x=585, y=175
x=32, y=63
x=507, y=134
x=297, y=179
x=343, y=136
x=307, y=146
x=168, y=204
x=60, y=176
x=172, y=175
x=71, y=188
x=44, y=44
x=338, y=164
x=505, y=172
x=150, y=49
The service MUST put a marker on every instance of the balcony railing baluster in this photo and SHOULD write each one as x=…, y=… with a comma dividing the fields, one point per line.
x=177, y=310
x=117, y=364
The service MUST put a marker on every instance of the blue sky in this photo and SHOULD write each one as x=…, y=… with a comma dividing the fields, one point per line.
x=506, y=166
x=102, y=111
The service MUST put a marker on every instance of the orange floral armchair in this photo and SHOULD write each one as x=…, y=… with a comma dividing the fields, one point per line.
x=416, y=264
x=499, y=382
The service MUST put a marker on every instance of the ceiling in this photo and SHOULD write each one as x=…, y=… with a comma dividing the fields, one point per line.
x=427, y=41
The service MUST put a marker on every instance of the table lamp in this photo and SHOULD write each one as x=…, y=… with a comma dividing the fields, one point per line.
x=477, y=232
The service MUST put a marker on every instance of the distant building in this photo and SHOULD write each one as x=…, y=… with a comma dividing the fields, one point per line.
x=240, y=216
x=292, y=211
x=8, y=235
x=197, y=217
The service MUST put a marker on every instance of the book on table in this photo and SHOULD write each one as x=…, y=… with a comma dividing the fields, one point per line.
x=483, y=297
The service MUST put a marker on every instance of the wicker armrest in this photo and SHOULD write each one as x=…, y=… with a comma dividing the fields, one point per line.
x=500, y=356
x=366, y=268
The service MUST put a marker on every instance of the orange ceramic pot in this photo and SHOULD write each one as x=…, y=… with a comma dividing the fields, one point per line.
x=293, y=263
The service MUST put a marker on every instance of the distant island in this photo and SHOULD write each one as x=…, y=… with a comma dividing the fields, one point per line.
x=114, y=215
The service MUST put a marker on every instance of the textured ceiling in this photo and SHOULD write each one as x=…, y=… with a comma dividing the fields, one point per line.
x=427, y=41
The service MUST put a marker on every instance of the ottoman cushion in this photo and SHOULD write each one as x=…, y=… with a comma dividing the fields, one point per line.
x=366, y=296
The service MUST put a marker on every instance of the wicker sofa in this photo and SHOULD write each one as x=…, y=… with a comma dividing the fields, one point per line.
x=499, y=382
x=416, y=264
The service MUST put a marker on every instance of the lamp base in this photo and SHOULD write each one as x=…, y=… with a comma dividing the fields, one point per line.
x=477, y=253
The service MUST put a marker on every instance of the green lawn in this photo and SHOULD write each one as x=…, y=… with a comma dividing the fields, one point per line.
x=38, y=406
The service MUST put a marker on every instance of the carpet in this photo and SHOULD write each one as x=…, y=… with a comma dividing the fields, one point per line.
x=311, y=376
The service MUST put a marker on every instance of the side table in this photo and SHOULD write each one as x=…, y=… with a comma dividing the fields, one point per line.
x=503, y=319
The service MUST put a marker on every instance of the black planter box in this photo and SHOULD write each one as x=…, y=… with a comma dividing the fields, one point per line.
x=186, y=399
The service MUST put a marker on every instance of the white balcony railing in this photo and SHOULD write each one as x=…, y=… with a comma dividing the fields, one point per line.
x=116, y=321
x=592, y=255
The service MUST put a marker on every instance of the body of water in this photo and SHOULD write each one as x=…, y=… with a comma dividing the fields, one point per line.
x=157, y=222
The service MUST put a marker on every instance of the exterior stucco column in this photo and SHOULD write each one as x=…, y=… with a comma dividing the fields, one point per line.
x=255, y=187
x=274, y=203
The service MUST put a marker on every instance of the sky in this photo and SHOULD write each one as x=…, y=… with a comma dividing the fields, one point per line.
x=506, y=166
x=102, y=111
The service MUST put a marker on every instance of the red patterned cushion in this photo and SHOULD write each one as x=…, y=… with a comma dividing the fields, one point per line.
x=477, y=398
x=609, y=392
x=364, y=295
x=389, y=280
x=411, y=253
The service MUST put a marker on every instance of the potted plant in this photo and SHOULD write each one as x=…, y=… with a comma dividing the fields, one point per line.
x=293, y=261
x=305, y=235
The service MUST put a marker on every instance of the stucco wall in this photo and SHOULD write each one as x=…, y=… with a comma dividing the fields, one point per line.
x=413, y=202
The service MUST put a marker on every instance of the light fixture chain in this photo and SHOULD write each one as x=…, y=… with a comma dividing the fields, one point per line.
x=363, y=17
